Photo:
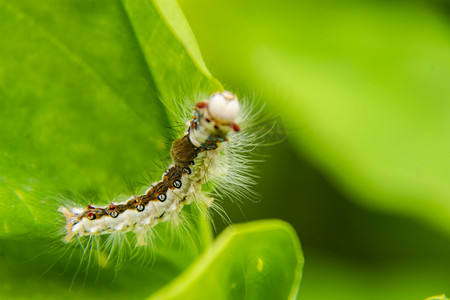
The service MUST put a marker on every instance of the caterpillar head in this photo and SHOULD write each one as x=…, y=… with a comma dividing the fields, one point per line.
x=224, y=107
x=213, y=120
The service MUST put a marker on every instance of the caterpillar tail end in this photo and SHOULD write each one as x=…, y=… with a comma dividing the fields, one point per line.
x=69, y=224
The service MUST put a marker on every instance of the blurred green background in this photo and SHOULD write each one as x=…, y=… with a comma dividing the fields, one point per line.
x=361, y=90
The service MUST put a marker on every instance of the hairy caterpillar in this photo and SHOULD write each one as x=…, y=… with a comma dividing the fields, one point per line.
x=195, y=158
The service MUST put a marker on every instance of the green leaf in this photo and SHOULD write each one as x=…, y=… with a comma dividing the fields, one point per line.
x=49, y=274
x=244, y=263
x=176, y=64
x=80, y=86
x=362, y=87
x=81, y=117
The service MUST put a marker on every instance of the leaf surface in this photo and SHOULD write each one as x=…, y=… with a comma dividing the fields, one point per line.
x=244, y=263
x=81, y=118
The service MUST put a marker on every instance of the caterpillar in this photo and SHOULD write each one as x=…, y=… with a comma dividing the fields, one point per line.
x=195, y=157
